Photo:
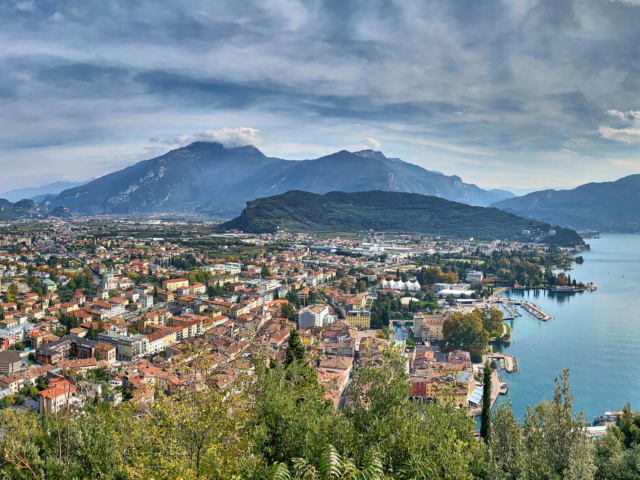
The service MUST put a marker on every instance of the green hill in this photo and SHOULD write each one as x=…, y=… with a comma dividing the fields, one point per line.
x=298, y=211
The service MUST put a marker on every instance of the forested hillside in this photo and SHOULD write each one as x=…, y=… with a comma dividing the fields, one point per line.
x=298, y=211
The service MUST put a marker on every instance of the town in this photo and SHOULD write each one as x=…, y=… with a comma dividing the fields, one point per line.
x=94, y=309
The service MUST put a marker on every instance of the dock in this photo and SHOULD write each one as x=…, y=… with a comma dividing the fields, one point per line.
x=497, y=388
x=510, y=362
x=511, y=309
x=535, y=311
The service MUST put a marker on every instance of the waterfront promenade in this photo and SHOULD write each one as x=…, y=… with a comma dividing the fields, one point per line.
x=496, y=383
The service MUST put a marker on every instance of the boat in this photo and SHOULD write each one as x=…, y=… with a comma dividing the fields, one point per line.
x=502, y=366
x=503, y=389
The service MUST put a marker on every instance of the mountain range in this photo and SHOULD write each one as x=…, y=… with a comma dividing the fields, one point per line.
x=211, y=179
x=38, y=194
x=606, y=206
x=24, y=209
x=297, y=211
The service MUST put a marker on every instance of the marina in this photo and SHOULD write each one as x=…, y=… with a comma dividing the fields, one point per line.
x=510, y=306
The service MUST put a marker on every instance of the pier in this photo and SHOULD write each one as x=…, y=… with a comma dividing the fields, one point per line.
x=510, y=362
x=498, y=387
x=511, y=309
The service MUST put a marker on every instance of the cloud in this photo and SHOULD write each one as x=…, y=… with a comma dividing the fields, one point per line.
x=630, y=115
x=633, y=3
x=505, y=80
x=26, y=6
x=373, y=143
x=57, y=17
x=229, y=137
x=232, y=137
x=181, y=141
x=626, y=135
x=626, y=164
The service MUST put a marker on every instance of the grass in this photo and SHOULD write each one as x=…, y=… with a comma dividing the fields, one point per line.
x=466, y=260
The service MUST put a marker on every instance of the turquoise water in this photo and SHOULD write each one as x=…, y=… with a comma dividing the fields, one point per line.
x=595, y=334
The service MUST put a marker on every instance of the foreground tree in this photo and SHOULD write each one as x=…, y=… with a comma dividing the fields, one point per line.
x=295, y=349
x=485, y=418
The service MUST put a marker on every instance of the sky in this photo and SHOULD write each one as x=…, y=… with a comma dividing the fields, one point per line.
x=504, y=93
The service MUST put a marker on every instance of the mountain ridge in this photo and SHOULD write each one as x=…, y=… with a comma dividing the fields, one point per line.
x=212, y=179
x=32, y=193
x=603, y=206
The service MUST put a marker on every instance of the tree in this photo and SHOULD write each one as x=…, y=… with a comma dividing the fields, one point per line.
x=287, y=311
x=91, y=334
x=13, y=290
x=464, y=331
x=344, y=285
x=293, y=298
x=485, y=418
x=312, y=297
x=506, y=450
x=295, y=349
x=450, y=300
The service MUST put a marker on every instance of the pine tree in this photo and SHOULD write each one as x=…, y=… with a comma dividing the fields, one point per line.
x=295, y=350
x=485, y=419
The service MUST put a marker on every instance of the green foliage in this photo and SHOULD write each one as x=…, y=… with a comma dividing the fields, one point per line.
x=295, y=349
x=485, y=418
x=465, y=331
x=293, y=298
x=299, y=211
x=287, y=311
x=551, y=443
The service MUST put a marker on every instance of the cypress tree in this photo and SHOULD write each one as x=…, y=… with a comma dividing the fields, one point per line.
x=485, y=419
x=295, y=350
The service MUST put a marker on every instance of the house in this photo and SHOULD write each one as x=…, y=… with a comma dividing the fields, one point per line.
x=198, y=289
x=14, y=382
x=173, y=285
x=10, y=362
x=78, y=365
x=60, y=394
x=105, y=352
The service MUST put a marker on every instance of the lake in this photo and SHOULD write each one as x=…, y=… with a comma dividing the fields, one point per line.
x=595, y=334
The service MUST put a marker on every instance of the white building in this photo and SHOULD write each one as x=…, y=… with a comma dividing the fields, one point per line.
x=455, y=293
x=474, y=277
x=440, y=286
x=412, y=285
x=146, y=301
x=313, y=316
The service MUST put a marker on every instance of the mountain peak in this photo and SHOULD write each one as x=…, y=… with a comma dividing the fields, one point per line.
x=371, y=154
